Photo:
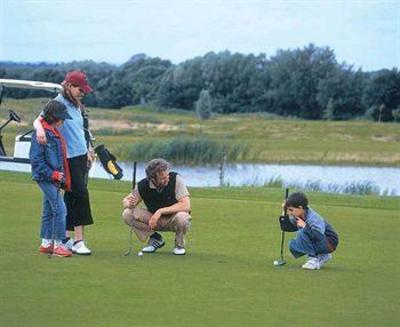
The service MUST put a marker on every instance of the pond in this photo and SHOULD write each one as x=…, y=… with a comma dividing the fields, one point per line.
x=336, y=179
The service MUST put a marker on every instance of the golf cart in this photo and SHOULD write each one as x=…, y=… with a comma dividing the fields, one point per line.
x=20, y=160
x=22, y=142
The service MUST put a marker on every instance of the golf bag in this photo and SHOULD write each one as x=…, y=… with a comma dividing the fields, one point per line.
x=108, y=161
x=287, y=225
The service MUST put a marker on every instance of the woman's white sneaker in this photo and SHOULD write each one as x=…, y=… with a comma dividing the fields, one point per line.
x=81, y=249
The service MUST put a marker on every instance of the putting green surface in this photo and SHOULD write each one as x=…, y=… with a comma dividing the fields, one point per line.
x=226, y=279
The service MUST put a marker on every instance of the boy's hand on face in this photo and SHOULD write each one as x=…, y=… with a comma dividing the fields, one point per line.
x=300, y=222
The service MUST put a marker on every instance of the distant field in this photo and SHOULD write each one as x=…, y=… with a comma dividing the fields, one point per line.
x=226, y=279
x=268, y=138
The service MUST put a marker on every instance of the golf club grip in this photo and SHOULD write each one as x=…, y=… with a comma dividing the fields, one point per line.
x=134, y=176
x=286, y=196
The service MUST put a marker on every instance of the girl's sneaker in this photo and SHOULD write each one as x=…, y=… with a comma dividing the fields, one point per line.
x=61, y=251
x=46, y=249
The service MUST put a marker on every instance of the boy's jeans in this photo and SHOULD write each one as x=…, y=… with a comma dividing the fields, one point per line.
x=54, y=212
x=303, y=244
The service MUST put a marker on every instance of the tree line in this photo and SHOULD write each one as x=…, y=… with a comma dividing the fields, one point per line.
x=305, y=83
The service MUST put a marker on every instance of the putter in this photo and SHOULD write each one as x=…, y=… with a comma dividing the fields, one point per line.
x=281, y=261
x=131, y=227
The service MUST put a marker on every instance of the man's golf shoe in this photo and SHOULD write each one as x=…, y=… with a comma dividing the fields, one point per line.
x=324, y=258
x=155, y=242
x=311, y=264
x=80, y=248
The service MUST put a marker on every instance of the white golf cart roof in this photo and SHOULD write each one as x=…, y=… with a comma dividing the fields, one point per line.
x=35, y=85
x=22, y=142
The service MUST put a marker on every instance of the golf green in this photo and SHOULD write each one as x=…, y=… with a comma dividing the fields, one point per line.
x=227, y=277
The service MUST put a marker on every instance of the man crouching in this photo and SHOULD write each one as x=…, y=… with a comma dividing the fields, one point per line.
x=168, y=206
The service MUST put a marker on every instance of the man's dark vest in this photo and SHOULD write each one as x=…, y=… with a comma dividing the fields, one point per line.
x=154, y=199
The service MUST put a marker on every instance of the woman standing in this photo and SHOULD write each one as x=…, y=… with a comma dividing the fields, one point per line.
x=80, y=157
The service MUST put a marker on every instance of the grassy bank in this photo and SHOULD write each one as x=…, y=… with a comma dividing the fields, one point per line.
x=262, y=138
x=227, y=278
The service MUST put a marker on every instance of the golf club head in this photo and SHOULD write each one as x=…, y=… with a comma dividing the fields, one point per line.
x=130, y=244
x=279, y=262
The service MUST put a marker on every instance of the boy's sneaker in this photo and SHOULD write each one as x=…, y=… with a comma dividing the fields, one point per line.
x=155, y=242
x=61, y=251
x=80, y=248
x=311, y=264
x=179, y=251
x=68, y=243
x=46, y=249
x=324, y=258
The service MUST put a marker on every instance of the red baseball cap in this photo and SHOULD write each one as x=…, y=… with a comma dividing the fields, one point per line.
x=78, y=78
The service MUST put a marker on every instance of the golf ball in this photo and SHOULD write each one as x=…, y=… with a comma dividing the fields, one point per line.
x=140, y=254
x=276, y=263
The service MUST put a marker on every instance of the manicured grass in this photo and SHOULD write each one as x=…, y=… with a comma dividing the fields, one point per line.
x=227, y=277
x=269, y=139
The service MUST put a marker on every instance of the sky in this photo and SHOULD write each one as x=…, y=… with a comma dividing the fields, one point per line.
x=365, y=34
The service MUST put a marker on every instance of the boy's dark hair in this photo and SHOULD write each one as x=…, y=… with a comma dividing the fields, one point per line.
x=296, y=200
x=54, y=111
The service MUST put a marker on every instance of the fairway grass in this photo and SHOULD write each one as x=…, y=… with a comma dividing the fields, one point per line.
x=227, y=277
x=265, y=139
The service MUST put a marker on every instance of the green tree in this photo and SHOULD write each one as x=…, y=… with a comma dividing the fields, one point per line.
x=295, y=76
x=135, y=82
x=329, y=112
x=344, y=88
x=383, y=87
x=204, y=105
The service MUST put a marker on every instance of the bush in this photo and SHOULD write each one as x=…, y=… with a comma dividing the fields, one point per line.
x=182, y=150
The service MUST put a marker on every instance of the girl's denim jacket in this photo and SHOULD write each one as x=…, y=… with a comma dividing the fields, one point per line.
x=46, y=159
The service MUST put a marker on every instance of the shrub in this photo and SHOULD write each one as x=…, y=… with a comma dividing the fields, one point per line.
x=182, y=150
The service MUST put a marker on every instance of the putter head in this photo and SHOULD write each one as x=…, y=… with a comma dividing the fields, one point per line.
x=128, y=252
x=279, y=262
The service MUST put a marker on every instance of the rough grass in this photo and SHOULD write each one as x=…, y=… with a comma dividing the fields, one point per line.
x=226, y=279
x=270, y=139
